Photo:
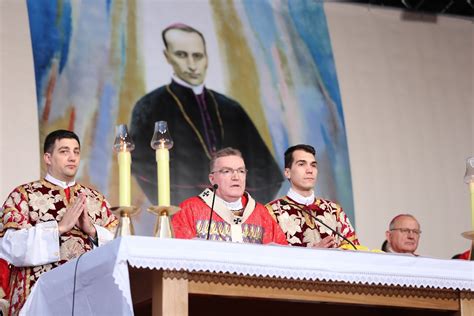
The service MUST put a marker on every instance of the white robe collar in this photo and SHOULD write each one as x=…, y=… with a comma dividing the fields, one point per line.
x=234, y=206
x=58, y=182
x=235, y=222
x=196, y=89
x=299, y=198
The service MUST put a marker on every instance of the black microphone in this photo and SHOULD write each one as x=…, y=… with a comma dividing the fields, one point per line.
x=283, y=202
x=215, y=186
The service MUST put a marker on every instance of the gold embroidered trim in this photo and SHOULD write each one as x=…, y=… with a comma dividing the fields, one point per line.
x=188, y=119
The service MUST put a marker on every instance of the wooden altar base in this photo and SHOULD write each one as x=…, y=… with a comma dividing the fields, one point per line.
x=158, y=292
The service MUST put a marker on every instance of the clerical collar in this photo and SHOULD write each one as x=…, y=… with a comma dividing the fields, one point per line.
x=299, y=198
x=59, y=183
x=233, y=206
x=196, y=89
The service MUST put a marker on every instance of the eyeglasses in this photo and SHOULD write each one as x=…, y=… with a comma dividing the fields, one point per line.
x=406, y=231
x=230, y=171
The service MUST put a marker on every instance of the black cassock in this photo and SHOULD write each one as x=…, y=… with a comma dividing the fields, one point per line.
x=228, y=125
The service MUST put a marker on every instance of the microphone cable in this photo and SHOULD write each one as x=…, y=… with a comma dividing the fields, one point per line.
x=282, y=202
x=74, y=287
x=215, y=186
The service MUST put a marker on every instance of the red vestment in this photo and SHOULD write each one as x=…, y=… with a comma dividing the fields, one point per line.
x=302, y=230
x=41, y=201
x=254, y=226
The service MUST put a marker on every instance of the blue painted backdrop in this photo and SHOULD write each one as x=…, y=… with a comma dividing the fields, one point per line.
x=94, y=59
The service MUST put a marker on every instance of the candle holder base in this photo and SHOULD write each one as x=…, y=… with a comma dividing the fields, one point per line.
x=468, y=235
x=125, y=227
x=163, y=227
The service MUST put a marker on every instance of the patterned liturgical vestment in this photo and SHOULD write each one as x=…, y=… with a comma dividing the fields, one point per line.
x=40, y=202
x=302, y=230
x=253, y=224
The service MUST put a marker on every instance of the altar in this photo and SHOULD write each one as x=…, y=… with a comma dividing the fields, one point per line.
x=172, y=277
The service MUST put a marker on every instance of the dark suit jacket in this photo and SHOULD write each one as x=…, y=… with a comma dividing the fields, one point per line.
x=190, y=156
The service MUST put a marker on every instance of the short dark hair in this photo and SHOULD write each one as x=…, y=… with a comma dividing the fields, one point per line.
x=224, y=152
x=181, y=27
x=50, y=140
x=289, y=153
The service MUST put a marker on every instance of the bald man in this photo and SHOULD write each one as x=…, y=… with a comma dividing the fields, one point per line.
x=403, y=234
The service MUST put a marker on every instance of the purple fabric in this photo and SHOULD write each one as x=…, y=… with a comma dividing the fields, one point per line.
x=209, y=132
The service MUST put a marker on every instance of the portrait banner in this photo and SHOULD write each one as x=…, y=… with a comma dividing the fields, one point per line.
x=255, y=75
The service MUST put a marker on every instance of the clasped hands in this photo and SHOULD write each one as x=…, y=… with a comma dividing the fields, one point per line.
x=77, y=215
x=326, y=242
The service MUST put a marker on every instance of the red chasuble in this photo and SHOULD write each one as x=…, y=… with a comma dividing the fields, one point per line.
x=254, y=225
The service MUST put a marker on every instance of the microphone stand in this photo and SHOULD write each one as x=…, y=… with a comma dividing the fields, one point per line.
x=215, y=186
x=319, y=221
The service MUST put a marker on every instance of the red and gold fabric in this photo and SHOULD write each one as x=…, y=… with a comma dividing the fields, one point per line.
x=252, y=225
x=302, y=230
x=466, y=255
x=44, y=204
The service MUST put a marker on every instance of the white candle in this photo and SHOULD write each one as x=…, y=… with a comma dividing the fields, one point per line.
x=163, y=168
x=124, y=162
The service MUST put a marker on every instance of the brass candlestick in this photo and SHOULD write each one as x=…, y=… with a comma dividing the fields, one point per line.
x=125, y=227
x=163, y=227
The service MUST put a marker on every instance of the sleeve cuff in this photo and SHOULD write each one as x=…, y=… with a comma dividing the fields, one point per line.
x=103, y=235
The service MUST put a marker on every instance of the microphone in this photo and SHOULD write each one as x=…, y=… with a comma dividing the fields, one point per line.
x=282, y=202
x=214, y=187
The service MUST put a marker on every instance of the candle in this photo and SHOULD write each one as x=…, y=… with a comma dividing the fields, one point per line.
x=123, y=145
x=161, y=142
x=124, y=162
x=163, y=168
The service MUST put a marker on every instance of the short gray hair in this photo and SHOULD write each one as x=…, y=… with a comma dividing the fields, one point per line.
x=391, y=226
x=224, y=152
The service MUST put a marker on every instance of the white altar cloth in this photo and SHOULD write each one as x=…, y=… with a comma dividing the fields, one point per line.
x=103, y=287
